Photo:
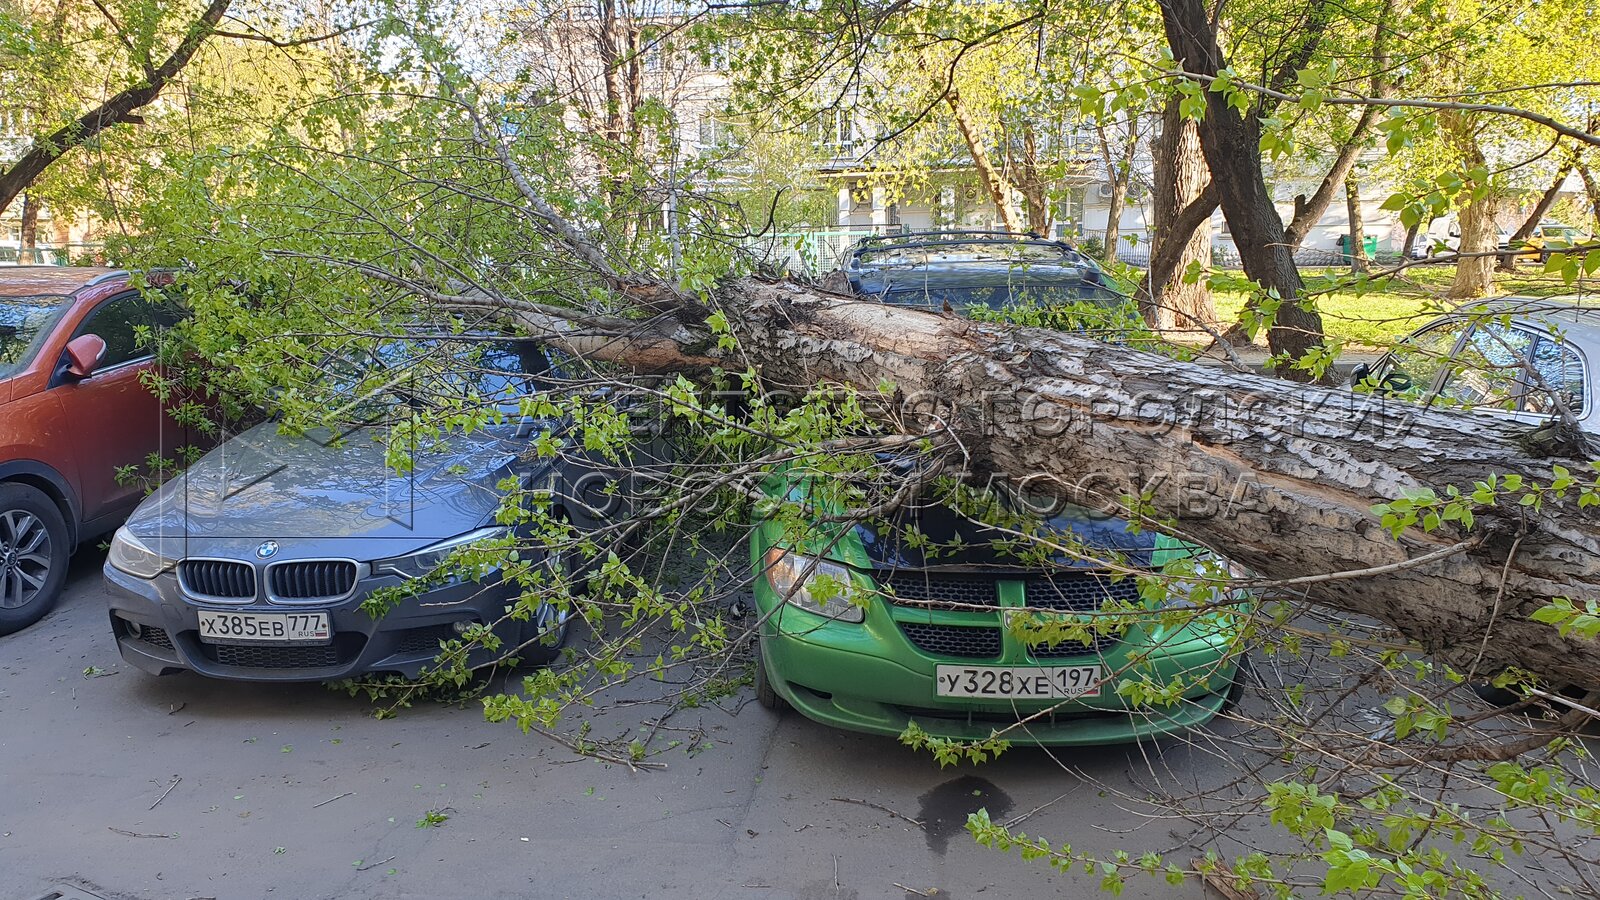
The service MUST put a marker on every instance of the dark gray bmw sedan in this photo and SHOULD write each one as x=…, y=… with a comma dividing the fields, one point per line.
x=254, y=564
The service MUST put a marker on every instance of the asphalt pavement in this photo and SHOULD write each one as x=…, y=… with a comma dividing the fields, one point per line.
x=117, y=784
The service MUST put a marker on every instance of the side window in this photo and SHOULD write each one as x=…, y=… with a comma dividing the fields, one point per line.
x=1487, y=373
x=117, y=322
x=1412, y=366
x=1558, y=370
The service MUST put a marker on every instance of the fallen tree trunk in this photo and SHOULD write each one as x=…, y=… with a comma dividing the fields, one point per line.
x=1279, y=477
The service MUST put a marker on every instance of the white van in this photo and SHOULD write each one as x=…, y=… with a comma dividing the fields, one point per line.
x=1443, y=238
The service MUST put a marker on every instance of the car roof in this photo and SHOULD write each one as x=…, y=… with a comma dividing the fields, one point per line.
x=949, y=237
x=61, y=281
x=1578, y=318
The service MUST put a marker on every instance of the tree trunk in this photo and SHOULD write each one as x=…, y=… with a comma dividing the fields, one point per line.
x=1035, y=192
x=1119, y=169
x=1119, y=198
x=122, y=107
x=1182, y=203
x=1410, y=243
x=1357, y=235
x=1508, y=260
x=1591, y=187
x=1475, y=250
x=28, y=246
x=1281, y=478
x=1476, y=258
x=993, y=182
x=1232, y=149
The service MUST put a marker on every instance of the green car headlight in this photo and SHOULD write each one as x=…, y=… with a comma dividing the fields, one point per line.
x=131, y=555
x=1186, y=593
x=431, y=557
x=815, y=585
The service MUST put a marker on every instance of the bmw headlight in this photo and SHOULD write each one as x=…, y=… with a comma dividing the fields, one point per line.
x=814, y=585
x=129, y=554
x=425, y=561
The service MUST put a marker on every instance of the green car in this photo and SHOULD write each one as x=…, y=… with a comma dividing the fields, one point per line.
x=927, y=618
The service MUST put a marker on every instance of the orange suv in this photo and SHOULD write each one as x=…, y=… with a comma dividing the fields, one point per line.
x=72, y=410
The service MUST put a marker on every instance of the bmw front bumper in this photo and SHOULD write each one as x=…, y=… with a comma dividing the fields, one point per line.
x=157, y=629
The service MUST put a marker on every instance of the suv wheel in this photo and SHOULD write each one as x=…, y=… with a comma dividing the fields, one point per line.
x=546, y=633
x=33, y=556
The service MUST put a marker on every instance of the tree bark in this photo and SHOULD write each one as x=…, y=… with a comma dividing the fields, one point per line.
x=1119, y=199
x=1281, y=478
x=1591, y=187
x=1357, y=235
x=121, y=108
x=1475, y=250
x=28, y=245
x=993, y=182
x=1475, y=260
x=1232, y=149
x=1508, y=260
x=1183, y=201
x=1119, y=169
x=1410, y=242
x=1031, y=181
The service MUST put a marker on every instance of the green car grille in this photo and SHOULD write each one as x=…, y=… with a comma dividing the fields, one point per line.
x=969, y=592
x=960, y=641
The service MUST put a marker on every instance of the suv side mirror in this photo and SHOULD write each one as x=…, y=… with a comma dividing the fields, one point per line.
x=1360, y=373
x=84, y=353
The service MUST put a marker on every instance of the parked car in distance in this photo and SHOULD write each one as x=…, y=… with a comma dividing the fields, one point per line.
x=73, y=409
x=1548, y=237
x=255, y=563
x=1442, y=239
x=930, y=641
x=1523, y=358
x=961, y=269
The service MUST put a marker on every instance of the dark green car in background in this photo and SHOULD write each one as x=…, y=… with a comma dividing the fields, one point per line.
x=935, y=618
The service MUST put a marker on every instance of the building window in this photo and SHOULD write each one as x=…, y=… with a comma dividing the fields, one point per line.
x=714, y=132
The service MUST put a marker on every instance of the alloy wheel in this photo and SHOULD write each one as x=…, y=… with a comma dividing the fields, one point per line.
x=24, y=558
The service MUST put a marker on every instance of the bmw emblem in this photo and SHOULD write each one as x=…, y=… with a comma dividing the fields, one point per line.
x=267, y=550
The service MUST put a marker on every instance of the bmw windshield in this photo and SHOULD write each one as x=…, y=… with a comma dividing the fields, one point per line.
x=491, y=372
x=25, y=322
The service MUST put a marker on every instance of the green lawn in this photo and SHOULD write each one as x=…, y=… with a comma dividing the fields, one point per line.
x=1388, y=312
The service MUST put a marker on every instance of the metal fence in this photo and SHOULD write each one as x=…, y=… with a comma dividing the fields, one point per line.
x=48, y=254
x=1225, y=255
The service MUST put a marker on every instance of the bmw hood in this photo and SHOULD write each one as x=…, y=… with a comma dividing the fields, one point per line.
x=318, y=495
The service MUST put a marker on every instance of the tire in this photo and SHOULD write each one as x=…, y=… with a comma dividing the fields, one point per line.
x=536, y=651
x=765, y=695
x=1236, y=687
x=1495, y=696
x=33, y=556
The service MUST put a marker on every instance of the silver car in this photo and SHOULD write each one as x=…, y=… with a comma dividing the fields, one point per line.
x=1525, y=358
x=255, y=563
